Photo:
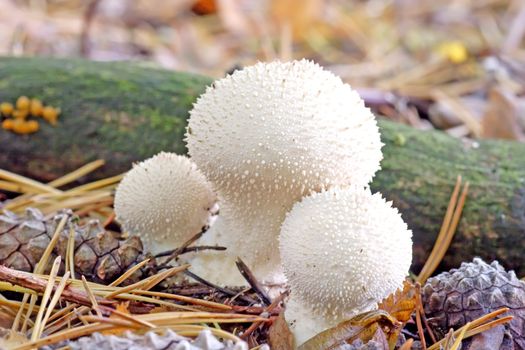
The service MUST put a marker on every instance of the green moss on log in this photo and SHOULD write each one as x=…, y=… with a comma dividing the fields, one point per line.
x=123, y=112
x=117, y=111
x=419, y=176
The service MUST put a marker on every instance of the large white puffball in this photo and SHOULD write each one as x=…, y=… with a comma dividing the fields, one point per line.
x=282, y=130
x=266, y=136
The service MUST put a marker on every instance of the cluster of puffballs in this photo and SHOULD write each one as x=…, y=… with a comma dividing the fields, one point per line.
x=287, y=151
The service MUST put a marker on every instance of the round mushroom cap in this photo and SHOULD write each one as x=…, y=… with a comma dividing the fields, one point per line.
x=166, y=200
x=282, y=128
x=343, y=250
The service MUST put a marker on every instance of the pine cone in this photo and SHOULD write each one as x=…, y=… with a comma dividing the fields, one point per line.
x=454, y=298
x=99, y=255
x=150, y=341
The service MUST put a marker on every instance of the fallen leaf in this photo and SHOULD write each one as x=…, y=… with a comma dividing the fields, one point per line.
x=280, y=337
x=363, y=327
x=402, y=303
x=501, y=119
x=123, y=307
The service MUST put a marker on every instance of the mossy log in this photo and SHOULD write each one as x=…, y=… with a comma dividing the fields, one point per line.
x=120, y=112
x=125, y=112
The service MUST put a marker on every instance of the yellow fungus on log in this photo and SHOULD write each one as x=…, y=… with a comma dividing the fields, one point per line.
x=20, y=113
x=36, y=107
x=7, y=124
x=51, y=114
x=22, y=103
x=25, y=127
x=6, y=108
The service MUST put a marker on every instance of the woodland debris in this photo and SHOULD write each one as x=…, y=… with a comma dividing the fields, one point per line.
x=452, y=299
x=98, y=254
x=150, y=341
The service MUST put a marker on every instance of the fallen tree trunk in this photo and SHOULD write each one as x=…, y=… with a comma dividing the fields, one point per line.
x=123, y=113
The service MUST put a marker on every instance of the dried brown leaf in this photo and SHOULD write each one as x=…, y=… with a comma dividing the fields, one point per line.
x=402, y=303
x=501, y=117
x=280, y=337
x=123, y=308
x=363, y=327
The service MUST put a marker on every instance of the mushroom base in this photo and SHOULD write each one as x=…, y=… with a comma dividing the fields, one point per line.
x=219, y=267
x=305, y=322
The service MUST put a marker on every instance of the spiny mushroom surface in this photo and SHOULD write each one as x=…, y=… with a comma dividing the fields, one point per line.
x=166, y=200
x=343, y=251
x=271, y=133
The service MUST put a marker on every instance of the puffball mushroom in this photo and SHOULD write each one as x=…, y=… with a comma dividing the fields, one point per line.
x=343, y=251
x=267, y=135
x=166, y=200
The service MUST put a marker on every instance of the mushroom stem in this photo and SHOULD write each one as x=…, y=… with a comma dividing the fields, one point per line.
x=248, y=233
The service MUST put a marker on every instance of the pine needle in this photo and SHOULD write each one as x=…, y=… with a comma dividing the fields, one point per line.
x=45, y=298
x=154, y=280
x=76, y=174
x=459, y=339
x=128, y=273
x=41, y=265
x=43, y=188
x=70, y=253
x=17, y=187
x=39, y=268
x=96, y=184
x=407, y=345
x=54, y=301
x=477, y=326
x=91, y=296
x=133, y=319
x=446, y=234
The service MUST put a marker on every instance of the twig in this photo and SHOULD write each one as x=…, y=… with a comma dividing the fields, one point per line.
x=30, y=281
x=268, y=309
x=184, y=245
x=109, y=219
x=218, y=288
x=252, y=281
x=190, y=250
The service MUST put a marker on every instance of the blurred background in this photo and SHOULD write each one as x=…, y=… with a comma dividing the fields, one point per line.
x=455, y=65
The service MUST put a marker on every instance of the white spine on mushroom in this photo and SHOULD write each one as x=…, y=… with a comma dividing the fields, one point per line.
x=266, y=136
x=343, y=251
x=166, y=200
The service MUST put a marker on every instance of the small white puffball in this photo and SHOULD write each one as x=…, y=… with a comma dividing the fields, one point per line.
x=166, y=200
x=343, y=251
x=283, y=128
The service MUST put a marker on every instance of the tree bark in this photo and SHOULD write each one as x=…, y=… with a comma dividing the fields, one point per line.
x=126, y=112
